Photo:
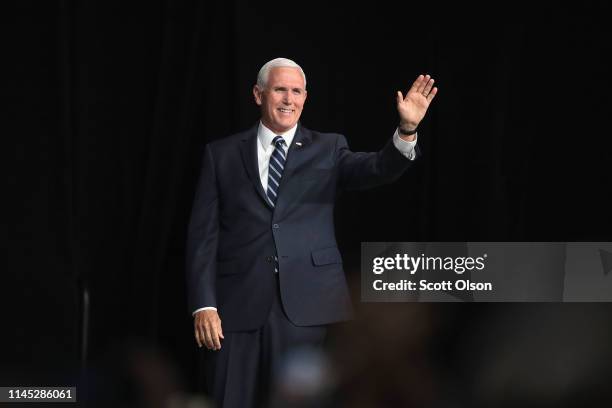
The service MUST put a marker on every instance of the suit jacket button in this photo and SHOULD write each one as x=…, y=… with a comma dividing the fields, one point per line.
x=269, y=259
x=275, y=226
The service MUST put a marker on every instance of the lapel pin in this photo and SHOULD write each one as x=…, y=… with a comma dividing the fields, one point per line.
x=298, y=144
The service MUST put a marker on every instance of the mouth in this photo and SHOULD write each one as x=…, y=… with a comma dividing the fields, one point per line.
x=286, y=111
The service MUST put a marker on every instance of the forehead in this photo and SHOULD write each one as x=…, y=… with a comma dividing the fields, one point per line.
x=286, y=76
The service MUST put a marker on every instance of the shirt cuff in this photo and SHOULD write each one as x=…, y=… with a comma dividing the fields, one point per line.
x=405, y=148
x=203, y=308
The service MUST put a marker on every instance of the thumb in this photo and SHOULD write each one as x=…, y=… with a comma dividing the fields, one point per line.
x=399, y=97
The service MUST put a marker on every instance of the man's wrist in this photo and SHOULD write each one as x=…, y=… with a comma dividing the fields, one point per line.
x=407, y=128
x=203, y=308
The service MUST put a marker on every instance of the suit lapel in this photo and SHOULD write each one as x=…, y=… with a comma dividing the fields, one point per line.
x=248, y=150
x=297, y=153
x=295, y=157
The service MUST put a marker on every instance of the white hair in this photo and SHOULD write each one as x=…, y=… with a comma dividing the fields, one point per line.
x=264, y=72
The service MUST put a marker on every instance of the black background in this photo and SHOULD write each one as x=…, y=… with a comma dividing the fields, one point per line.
x=109, y=104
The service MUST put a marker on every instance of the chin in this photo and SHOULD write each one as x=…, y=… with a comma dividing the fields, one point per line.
x=285, y=126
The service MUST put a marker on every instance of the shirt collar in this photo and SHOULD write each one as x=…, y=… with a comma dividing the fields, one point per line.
x=266, y=136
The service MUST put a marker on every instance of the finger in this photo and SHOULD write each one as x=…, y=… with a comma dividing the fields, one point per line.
x=428, y=87
x=423, y=83
x=220, y=329
x=399, y=97
x=432, y=94
x=208, y=337
x=202, y=331
x=213, y=333
x=197, y=337
x=415, y=84
x=215, y=338
x=218, y=334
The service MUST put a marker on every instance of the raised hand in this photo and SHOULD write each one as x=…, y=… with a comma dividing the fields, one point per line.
x=413, y=107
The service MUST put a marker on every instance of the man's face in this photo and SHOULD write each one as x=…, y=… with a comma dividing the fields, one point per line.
x=282, y=100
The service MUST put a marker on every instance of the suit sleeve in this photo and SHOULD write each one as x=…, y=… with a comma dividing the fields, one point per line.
x=202, y=239
x=363, y=170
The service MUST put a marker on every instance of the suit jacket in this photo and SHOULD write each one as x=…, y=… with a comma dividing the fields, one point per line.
x=234, y=233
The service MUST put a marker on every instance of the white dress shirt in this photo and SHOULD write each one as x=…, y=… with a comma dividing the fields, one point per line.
x=265, y=148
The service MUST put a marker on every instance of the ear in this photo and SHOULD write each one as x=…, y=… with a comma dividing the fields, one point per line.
x=257, y=93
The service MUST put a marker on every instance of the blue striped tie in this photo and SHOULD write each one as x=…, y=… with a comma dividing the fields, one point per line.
x=275, y=168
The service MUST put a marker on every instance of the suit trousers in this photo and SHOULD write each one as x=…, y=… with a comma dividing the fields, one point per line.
x=242, y=374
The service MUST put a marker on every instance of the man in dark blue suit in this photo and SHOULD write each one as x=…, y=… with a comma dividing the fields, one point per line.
x=262, y=252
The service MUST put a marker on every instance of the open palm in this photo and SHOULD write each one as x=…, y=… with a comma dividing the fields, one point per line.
x=413, y=107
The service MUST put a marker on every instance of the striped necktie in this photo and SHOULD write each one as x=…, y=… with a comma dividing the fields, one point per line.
x=275, y=168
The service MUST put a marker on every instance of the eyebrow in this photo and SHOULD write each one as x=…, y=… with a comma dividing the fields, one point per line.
x=282, y=88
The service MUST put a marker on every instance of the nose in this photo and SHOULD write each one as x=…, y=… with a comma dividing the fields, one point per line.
x=287, y=98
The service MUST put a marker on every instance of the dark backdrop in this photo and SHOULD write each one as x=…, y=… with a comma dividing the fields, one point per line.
x=109, y=104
